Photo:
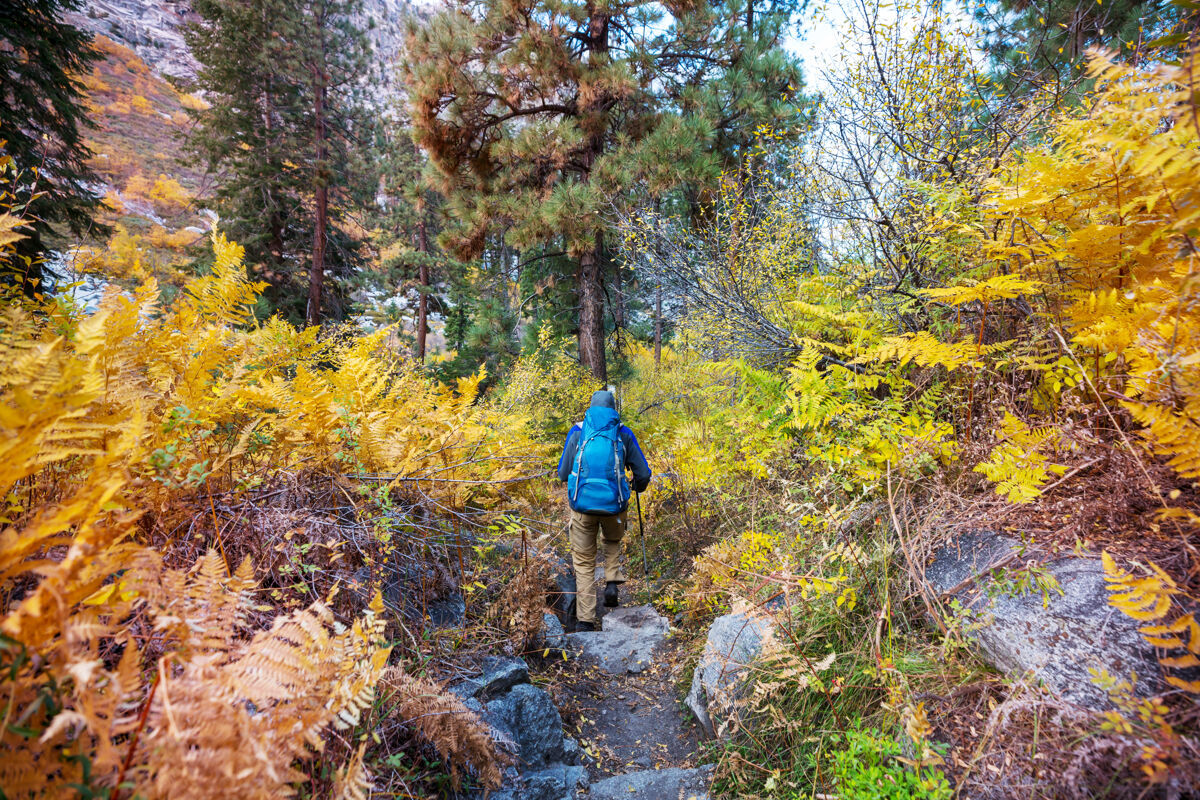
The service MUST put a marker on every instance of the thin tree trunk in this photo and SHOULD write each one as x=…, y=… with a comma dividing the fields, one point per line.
x=591, y=294
x=658, y=324
x=423, y=303
x=316, y=274
x=619, y=309
x=591, y=315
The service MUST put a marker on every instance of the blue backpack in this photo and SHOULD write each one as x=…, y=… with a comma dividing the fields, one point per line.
x=597, y=484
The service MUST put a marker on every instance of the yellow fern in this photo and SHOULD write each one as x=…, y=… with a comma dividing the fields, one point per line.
x=1017, y=464
x=1150, y=598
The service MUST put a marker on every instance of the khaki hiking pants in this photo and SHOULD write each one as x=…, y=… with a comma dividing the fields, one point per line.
x=586, y=530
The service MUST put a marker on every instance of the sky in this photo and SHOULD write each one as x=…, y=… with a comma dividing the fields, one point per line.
x=821, y=39
x=822, y=36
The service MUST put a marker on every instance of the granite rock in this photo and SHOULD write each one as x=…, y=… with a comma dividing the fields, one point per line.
x=1057, y=639
x=628, y=642
x=721, y=675
x=528, y=716
x=655, y=784
x=498, y=674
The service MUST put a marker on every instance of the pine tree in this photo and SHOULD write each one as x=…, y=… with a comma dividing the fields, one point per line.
x=410, y=218
x=544, y=118
x=284, y=136
x=1047, y=40
x=42, y=124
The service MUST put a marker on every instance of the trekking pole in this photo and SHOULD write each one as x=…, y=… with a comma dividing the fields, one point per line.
x=642, y=531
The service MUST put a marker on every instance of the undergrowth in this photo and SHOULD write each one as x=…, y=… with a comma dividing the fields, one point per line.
x=1055, y=352
x=217, y=535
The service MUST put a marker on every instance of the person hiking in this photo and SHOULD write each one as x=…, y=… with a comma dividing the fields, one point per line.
x=593, y=463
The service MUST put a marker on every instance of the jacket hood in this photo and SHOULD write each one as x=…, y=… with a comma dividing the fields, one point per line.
x=604, y=399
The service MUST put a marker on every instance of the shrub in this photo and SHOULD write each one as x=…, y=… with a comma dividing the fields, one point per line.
x=868, y=765
x=192, y=102
x=121, y=667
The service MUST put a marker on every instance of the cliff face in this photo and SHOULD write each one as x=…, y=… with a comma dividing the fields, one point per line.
x=151, y=28
x=154, y=30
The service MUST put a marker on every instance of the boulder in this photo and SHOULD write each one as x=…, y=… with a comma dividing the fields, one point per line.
x=655, y=784
x=448, y=612
x=524, y=719
x=627, y=643
x=555, y=782
x=721, y=678
x=528, y=716
x=1059, y=642
x=497, y=675
x=553, y=637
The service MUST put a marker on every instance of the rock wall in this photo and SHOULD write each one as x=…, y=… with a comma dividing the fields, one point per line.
x=151, y=28
x=154, y=30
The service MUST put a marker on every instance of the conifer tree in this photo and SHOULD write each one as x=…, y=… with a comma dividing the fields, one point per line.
x=409, y=216
x=1046, y=40
x=283, y=136
x=543, y=118
x=42, y=123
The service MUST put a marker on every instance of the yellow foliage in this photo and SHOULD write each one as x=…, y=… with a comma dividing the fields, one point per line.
x=172, y=240
x=547, y=390
x=924, y=349
x=167, y=195
x=137, y=407
x=1150, y=598
x=997, y=287
x=1103, y=217
x=1017, y=464
x=192, y=102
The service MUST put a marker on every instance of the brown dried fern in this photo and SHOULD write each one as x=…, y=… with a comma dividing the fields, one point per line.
x=442, y=720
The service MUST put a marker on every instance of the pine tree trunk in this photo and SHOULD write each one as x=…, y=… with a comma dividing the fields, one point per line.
x=591, y=294
x=316, y=274
x=591, y=315
x=658, y=324
x=423, y=303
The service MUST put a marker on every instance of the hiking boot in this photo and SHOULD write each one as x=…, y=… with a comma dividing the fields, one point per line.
x=611, y=594
x=581, y=627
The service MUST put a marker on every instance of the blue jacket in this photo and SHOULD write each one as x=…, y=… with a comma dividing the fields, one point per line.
x=634, y=460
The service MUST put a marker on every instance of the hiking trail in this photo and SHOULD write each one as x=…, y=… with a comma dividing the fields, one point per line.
x=619, y=699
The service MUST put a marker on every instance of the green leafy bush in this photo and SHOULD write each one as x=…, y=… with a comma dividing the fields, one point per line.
x=870, y=766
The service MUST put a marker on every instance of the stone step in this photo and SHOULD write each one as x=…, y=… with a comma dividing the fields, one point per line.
x=655, y=784
x=628, y=642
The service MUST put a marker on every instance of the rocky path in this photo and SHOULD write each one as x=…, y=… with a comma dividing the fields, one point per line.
x=619, y=695
x=597, y=718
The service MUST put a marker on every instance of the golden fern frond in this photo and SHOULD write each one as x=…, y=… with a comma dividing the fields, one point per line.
x=247, y=716
x=1146, y=598
x=225, y=296
x=1173, y=435
x=1150, y=599
x=353, y=782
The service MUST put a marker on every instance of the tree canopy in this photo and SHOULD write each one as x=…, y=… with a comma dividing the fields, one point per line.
x=42, y=125
x=543, y=120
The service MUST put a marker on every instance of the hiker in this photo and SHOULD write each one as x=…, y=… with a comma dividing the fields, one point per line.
x=593, y=463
